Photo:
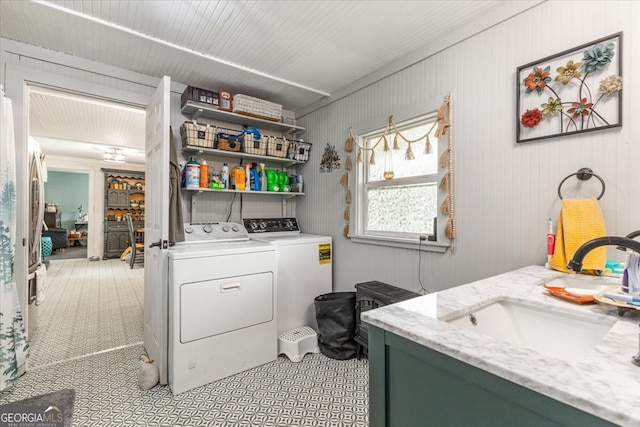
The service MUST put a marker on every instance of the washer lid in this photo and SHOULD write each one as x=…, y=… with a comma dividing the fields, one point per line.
x=290, y=239
x=185, y=250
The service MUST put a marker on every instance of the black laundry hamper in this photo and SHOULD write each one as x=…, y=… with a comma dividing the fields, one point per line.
x=336, y=317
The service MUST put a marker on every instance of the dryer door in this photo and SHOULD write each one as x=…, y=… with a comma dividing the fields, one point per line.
x=219, y=306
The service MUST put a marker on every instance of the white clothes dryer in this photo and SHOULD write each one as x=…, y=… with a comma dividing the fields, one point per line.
x=304, y=269
x=222, y=305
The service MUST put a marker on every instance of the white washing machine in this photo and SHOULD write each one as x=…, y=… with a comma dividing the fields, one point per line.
x=222, y=305
x=304, y=269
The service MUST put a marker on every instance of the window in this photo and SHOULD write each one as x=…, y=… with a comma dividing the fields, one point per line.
x=398, y=206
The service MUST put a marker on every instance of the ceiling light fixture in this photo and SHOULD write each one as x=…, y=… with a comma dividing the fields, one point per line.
x=114, y=155
x=176, y=46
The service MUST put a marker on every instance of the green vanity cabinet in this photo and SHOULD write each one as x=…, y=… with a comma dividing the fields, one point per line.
x=412, y=385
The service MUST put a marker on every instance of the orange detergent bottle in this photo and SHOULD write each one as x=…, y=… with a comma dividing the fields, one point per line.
x=239, y=177
x=204, y=174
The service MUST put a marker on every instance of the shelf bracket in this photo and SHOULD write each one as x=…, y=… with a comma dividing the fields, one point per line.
x=194, y=206
x=197, y=114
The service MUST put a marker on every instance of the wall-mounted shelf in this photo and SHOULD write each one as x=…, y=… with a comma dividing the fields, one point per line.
x=125, y=208
x=285, y=194
x=195, y=110
x=238, y=155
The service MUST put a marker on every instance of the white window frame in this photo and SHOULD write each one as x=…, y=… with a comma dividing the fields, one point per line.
x=360, y=234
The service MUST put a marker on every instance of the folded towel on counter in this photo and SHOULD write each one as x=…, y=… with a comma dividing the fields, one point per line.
x=580, y=221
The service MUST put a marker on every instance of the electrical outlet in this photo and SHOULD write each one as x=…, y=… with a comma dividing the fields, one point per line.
x=423, y=238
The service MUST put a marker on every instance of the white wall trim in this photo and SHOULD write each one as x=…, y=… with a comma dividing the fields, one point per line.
x=74, y=62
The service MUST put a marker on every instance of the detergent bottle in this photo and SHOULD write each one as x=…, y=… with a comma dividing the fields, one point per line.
x=224, y=176
x=247, y=176
x=255, y=177
x=272, y=180
x=283, y=181
x=192, y=173
x=263, y=178
x=204, y=174
x=239, y=178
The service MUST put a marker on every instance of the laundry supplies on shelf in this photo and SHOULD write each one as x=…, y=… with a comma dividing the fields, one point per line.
x=192, y=173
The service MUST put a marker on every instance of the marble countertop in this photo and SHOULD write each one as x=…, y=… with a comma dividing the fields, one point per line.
x=604, y=383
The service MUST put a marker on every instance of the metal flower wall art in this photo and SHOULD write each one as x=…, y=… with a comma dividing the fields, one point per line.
x=575, y=91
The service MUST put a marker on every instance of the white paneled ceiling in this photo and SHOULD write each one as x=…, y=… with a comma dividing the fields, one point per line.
x=290, y=52
x=74, y=126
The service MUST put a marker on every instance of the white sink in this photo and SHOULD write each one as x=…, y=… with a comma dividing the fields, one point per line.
x=551, y=332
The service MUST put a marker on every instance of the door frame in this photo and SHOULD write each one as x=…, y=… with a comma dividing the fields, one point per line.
x=18, y=80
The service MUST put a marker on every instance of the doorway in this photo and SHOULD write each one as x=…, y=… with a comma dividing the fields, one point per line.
x=66, y=196
x=91, y=306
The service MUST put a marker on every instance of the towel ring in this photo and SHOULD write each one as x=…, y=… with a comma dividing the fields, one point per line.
x=583, y=174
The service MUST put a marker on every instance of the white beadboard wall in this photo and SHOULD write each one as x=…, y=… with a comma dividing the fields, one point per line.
x=505, y=192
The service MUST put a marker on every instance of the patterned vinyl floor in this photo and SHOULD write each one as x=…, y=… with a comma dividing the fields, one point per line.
x=89, y=306
x=318, y=391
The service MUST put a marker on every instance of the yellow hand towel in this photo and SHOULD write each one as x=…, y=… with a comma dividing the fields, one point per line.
x=579, y=222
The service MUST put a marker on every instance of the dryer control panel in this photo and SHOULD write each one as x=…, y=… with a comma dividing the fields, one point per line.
x=271, y=225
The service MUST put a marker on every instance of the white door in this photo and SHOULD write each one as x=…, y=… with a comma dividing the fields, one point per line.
x=156, y=227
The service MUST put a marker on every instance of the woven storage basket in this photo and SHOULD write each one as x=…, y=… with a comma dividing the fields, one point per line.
x=277, y=147
x=299, y=150
x=195, y=135
x=229, y=142
x=250, y=145
x=255, y=107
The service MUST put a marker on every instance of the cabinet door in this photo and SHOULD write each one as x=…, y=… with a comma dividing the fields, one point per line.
x=123, y=198
x=117, y=197
x=123, y=241
x=112, y=242
x=117, y=241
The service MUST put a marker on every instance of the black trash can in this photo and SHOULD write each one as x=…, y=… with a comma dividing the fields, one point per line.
x=336, y=316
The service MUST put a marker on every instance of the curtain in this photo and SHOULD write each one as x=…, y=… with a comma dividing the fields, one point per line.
x=14, y=346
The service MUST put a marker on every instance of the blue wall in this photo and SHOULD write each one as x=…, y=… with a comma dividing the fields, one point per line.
x=68, y=190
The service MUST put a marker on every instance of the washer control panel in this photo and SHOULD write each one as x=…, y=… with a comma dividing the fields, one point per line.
x=214, y=231
x=271, y=225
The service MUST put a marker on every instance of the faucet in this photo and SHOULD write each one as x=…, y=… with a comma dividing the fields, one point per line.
x=631, y=235
x=623, y=242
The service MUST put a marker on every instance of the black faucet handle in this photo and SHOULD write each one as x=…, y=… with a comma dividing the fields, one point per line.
x=574, y=265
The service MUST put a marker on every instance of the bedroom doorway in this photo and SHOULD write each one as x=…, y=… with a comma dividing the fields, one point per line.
x=66, y=196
